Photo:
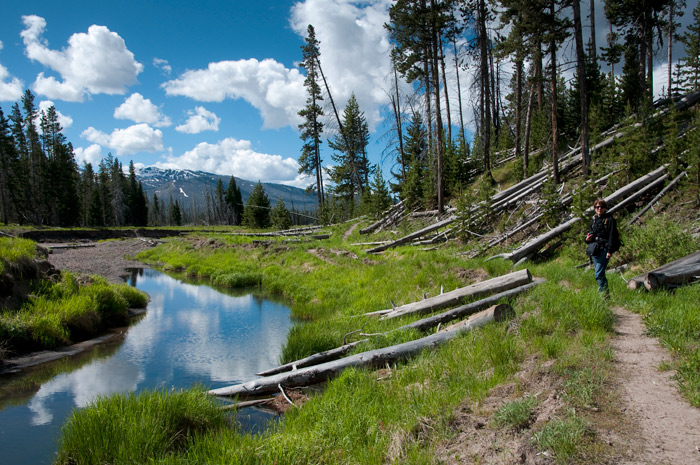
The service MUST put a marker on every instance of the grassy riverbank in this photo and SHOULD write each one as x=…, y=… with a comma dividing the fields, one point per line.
x=42, y=312
x=551, y=365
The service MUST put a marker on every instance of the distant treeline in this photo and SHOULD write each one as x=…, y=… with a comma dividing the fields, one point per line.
x=41, y=184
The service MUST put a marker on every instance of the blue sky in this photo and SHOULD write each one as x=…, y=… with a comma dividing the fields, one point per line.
x=210, y=85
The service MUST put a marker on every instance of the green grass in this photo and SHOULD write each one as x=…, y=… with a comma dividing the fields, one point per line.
x=15, y=251
x=516, y=414
x=132, y=428
x=404, y=413
x=56, y=313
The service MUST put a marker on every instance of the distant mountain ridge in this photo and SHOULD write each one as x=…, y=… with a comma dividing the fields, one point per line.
x=188, y=187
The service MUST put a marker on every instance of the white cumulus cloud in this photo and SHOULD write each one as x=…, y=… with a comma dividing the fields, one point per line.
x=277, y=92
x=354, y=56
x=236, y=157
x=354, y=49
x=92, y=63
x=141, y=110
x=134, y=139
x=10, y=87
x=91, y=154
x=200, y=119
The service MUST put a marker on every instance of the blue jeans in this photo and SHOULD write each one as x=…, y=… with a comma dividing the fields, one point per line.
x=600, y=262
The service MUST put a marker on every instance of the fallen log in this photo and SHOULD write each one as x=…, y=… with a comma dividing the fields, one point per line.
x=468, y=309
x=656, y=199
x=315, y=359
x=672, y=276
x=498, y=284
x=414, y=235
x=385, y=216
x=618, y=198
x=638, y=281
x=373, y=358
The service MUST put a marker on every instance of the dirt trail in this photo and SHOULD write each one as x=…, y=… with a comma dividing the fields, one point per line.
x=669, y=427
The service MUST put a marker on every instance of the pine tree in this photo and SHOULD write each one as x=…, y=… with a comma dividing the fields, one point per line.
x=234, y=200
x=416, y=153
x=380, y=199
x=10, y=193
x=690, y=64
x=352, y=168
x=175, y=214
x=280, y=216
x=257, y=208
x=312, y=127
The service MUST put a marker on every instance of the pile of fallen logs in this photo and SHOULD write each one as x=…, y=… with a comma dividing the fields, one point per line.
x=325, y=365
x=678, y=272
x=618, y=199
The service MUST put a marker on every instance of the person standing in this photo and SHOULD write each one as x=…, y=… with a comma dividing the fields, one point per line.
x=603, y=241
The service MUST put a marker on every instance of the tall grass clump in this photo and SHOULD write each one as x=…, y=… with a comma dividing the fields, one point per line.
x=564, y=437
x=517, y=414
x=138, y=428
x=14, y=251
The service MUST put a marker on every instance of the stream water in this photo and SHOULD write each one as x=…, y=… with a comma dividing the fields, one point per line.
x=190, y=334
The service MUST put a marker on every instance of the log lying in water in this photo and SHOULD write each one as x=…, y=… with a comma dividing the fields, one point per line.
x=498, y=284
x=373, y=358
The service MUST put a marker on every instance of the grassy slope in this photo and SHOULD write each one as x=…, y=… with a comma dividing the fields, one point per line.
x=365, y=418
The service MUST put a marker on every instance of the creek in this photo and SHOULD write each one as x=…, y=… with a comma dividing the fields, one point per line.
x=190, y=334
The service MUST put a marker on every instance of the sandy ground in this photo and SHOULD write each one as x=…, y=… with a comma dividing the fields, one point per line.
x=103, y=258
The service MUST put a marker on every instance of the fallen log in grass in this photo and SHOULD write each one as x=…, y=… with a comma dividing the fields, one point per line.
x=497, y=284
x=467, y=309
x=421, y=325
x=673, y=276
x=638, y=281
x=373, y=358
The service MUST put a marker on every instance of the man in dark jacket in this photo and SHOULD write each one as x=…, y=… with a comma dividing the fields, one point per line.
x=603, y=241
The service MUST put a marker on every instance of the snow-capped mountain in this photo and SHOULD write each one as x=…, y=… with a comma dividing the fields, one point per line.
x=189, y=186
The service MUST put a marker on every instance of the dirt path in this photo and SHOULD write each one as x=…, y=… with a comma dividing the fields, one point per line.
x=669, y=427
x=349, y=231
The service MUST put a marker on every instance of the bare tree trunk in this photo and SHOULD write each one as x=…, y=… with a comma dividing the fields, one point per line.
x=594, y=47
x=438, y=112
x=444, y=87
x=396, y=104
x=459, y=97
x=555, y=128
x=348, y=148
x=670, y=50
x=486, y=88
x=581, y=68
x=528, y=125
x=518, y=102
